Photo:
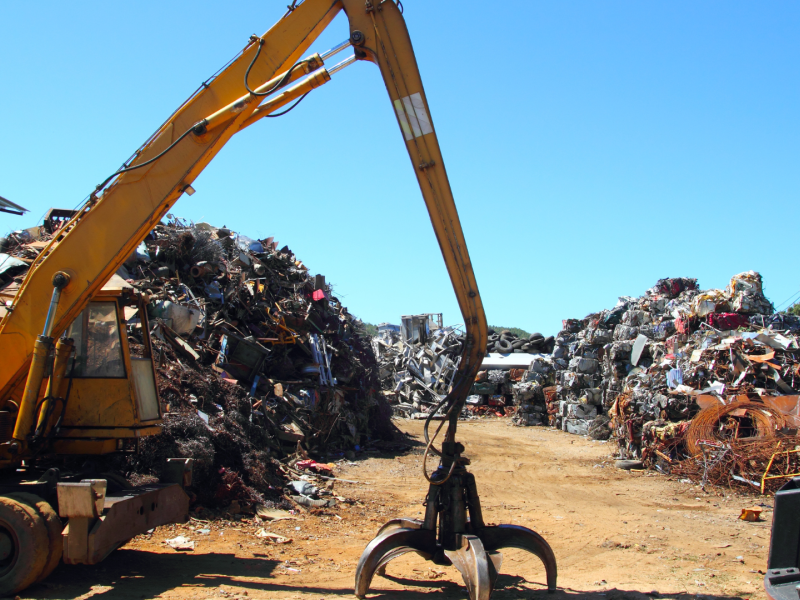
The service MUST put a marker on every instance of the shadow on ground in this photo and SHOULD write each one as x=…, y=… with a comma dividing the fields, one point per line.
x=135, y=574
x=403, y=444
x=129, y=574
x=512, y=587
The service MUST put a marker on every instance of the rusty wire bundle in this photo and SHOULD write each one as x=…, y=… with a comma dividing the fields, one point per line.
x=738, y=421
x=760, y=465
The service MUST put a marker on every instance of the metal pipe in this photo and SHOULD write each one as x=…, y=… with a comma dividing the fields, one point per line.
x=60, y=281
x=335, y=50
x=342, y=65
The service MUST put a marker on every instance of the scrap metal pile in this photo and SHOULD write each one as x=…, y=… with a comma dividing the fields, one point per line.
x=534, y=393
x=416, y=375
x=256, y=360
x=515, y=392
x=507, y=341
x=703, y=384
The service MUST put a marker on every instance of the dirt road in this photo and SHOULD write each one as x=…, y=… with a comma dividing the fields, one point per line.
x=615, y=534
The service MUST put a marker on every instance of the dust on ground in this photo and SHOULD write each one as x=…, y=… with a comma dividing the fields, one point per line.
x=616, y=534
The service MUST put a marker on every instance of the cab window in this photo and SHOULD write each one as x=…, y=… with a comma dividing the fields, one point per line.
x=98, y=347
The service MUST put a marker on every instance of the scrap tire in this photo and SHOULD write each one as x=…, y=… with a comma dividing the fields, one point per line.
x=535, y=336
x=24, y=545
x=503, y=346
x=54, y=529
x=517, y=344
x=627, y=465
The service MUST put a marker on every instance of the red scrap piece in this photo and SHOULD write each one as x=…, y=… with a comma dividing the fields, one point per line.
x=728, y=320
x=314, y=466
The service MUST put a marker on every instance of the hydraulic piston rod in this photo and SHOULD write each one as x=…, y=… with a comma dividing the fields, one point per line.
x=304, y=67
x=315, y=80
x=41, y=350
x=335, y=50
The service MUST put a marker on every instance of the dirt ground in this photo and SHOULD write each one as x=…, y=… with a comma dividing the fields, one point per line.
x=616, y=534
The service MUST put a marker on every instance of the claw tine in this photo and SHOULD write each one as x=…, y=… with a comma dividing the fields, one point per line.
x=389, y=545
x=473, y=563
x=514, y=536
x=399, y=523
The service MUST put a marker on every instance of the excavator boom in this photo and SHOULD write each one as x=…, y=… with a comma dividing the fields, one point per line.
x=117, y=218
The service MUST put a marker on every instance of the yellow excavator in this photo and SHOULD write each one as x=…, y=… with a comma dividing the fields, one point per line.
x=70, y=389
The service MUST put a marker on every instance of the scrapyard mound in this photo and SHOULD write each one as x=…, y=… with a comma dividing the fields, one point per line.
x=702, y=384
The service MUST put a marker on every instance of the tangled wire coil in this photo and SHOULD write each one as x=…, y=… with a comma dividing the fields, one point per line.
x=715, y=423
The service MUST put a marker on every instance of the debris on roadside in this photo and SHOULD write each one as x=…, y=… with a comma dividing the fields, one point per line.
x=752, y=513
x=273, y=514
x=180, y=543
x=272, y=538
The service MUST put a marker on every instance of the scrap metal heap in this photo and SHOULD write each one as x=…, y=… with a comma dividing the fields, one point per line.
x=698, y=383
x=257, y=361
x=416, y=375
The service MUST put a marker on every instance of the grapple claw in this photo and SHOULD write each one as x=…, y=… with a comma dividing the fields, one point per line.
x=514, y=536
x=475, y=567
x=400, y=523
x=390, y=544
x=453, y=533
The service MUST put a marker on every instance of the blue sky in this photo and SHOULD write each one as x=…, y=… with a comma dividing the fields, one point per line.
x=592, y=147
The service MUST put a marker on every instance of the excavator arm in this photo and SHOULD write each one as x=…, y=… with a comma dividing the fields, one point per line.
x=269, y=73
x=379, y=34
x=120, y=213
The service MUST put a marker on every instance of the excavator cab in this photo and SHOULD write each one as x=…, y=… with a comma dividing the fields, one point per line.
x=112, y=400
x=93, y=391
